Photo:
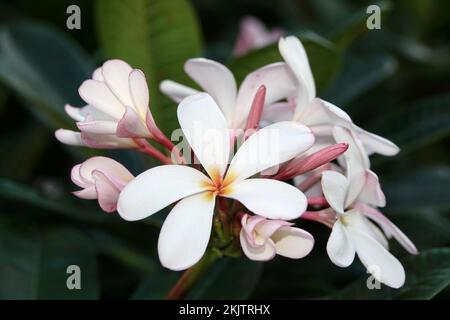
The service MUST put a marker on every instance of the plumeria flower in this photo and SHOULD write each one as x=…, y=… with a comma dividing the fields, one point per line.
x=317, y=114
x=354, y=233
x=101, y=178
x=218, y=81
x=253, y=34
x=352, y=196
x=186, y=231
x=261, y=239
x=117, y=111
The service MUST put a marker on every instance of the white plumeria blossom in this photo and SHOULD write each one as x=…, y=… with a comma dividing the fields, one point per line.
x=319, y=115
x=218, y=81
x=186, y=231
x=117, y=109
x=353, y=233
x=261, y=239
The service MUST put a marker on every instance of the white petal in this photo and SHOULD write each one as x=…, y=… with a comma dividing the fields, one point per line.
x=215, y=79
x=371, y=193
x=293, y=243
x=335, y=186
x=258, y=253
x=109, y=167
x=175, y=90
x=97, y=75
x=269, y=147
x=206, y=129
x=358, y=221
x=277, y=112
x=98, y=95
x=356, y=162
x=269, y=198
x=69, y=137
x=116, y=74
x=383, y=265
x=389, y=228
x=98, y=126
x=279, y=83
x=377, y=144
x=74, y=113
x=156, y=188
x=295, y=56
x=186, y=231
x=339, y=247
x=139, y=92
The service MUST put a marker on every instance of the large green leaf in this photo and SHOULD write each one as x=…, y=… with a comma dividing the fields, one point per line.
x=157, y=36
x=43, y=66
x=426, y=275
x=323, y=56
x=24, y=195
x=34, y=262
x=417, y=124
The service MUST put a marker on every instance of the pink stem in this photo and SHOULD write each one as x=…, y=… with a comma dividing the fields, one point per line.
x=318, y=201
x=147, y=148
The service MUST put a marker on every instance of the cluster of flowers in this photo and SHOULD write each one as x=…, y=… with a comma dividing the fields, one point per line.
x=282, y=133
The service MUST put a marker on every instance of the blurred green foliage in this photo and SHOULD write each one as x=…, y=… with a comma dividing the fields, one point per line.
x=394, y=81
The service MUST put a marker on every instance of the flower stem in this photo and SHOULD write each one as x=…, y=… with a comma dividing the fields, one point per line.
x=191, y=276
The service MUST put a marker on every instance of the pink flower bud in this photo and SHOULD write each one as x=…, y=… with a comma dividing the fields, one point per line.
x=261, y=239
x=101, y=178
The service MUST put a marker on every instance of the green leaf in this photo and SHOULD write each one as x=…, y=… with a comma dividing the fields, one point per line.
x=426, y=275
x=34, y=261
x=157, y=36
x=324, y=58
x=415, y=125
x=360, y=73
x=25, y=195
x=229, y=278
x=45, y=67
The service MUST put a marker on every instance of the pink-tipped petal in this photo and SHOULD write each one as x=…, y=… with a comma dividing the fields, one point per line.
x=132, y=126
x=371, y=193
x=107, y=195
